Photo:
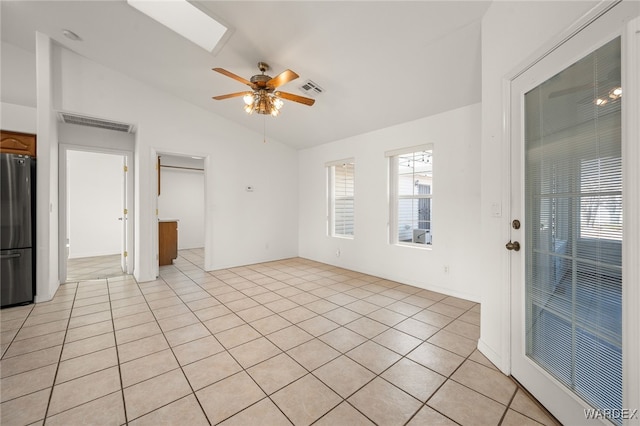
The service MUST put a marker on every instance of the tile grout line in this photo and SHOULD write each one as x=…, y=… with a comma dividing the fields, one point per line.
x=376, y=375
x=304, y=277
x=193, y=392
x=367, y=340
x=308, y=372
x=508, y=405
x=55, y=376
x=115, y=340
x=267, y=396
x=18, y=331
x=449, y=377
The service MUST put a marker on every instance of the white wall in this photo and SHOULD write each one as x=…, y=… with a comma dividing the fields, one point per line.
x=95, y=199
x=235, y=158
x=521, y=29
x=456, y=213
x=17, y=75
x=47, y=279
x=73, y=134
x=182, y=198
x=17, y=89
x=18, y=118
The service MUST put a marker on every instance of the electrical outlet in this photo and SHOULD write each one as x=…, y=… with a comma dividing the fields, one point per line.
x=338, y=253
x=446, y=269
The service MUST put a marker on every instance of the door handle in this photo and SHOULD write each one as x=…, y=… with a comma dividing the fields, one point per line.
x=515, y=246
x=10, y=256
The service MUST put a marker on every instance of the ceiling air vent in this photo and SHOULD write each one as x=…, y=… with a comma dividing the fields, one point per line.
x=95, y=122
x=311, y=88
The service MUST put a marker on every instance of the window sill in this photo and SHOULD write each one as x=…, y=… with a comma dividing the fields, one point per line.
x=342, y=237
x=428, y=247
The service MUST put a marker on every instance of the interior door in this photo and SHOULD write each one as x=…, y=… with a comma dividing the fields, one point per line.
x=123, y=252
x=127, y=259
x=566, y=193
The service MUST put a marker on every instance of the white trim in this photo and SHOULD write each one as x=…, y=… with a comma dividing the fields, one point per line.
x=350, y=160
x=631, y=155
x=209, y=225
x=547, y=48
x=631, y=207
x=505, y=260
x=62, y=203
x=396, y=152
x=393, y=199
x=395, y=196
x=331, y=197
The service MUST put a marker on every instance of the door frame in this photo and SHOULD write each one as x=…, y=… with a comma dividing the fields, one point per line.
x=63, y=198
x=630, y=34
x=208, y=206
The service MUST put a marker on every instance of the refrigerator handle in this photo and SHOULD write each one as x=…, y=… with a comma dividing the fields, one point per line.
x=10, y=256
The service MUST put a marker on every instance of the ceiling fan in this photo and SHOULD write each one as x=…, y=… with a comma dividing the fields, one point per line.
x=263, y=97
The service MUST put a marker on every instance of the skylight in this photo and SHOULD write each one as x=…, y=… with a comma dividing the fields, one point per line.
x=185, y=19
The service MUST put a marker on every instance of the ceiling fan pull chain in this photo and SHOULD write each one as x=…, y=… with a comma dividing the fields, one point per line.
x=264, y=129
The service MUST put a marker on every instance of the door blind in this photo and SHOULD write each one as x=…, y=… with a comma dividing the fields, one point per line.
x=573, y=202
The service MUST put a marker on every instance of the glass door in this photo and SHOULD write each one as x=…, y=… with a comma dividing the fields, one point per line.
x=567, y=193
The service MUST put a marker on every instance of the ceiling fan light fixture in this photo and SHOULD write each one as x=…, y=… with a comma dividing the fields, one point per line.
x=264, y=97
x=248, y=99
x=615, y=93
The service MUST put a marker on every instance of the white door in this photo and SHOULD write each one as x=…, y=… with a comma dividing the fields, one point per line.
x=566, y=192
x=123, y=252
x=127, y=218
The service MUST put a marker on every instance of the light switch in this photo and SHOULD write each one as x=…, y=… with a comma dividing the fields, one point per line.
x=496, y=210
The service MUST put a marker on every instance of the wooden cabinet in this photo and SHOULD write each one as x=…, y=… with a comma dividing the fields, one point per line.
x=17, y=143
x=168, y=239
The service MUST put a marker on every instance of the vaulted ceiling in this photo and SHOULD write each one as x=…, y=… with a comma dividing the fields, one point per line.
x=380, y=63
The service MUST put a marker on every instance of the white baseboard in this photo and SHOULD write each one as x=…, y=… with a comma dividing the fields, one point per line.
x=494, y=357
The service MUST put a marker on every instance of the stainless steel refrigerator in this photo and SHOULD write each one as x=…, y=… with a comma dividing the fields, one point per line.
x=17, y=199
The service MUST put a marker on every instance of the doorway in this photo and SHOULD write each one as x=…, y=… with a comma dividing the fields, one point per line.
x=95, y=199
x=181, y=198
x=568, y=229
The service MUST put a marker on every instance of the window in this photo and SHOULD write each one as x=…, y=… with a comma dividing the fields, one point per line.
x=341, y=198
x=411, y=173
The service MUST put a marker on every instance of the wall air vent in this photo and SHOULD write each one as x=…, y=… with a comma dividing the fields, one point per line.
x=95, y=122
x=310, y=88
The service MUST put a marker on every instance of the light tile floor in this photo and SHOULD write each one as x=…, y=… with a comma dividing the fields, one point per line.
x=91, y=268
x=278, y=343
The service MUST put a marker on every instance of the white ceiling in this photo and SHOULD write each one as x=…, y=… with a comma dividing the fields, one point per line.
x=380, y=63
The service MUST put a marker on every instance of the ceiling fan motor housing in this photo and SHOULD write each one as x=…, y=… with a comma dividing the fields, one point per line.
x=260, y=80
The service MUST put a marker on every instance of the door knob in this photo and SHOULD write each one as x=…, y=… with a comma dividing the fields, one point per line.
x=513, y=246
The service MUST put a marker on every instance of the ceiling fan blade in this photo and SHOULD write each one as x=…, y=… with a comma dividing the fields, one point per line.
x=233, y=76
x=230, y=95
x=295, y=98
x=283, y=78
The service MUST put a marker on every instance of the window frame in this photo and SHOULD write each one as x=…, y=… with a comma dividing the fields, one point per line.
x=331, y=198
x=395, y=196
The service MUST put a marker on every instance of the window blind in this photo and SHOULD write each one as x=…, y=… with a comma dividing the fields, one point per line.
x=573, y=202
x=342, y=198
